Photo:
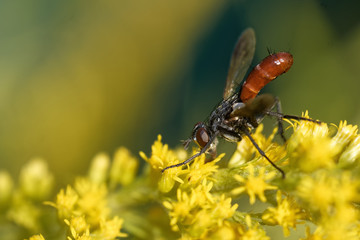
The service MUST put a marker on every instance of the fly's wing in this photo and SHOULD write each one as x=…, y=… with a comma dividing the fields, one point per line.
x=240, y=61
x=255, y=107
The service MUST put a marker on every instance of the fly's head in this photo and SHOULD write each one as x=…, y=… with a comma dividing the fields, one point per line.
x=201, y=135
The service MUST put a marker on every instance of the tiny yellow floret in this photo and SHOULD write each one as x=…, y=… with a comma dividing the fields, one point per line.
x=287, y=214
x=254, y=184
x=37, y=237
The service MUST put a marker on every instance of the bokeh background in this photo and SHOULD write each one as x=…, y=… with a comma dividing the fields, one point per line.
x=80, y=77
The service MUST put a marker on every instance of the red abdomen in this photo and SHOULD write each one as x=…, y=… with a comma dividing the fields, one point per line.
x=267, y=70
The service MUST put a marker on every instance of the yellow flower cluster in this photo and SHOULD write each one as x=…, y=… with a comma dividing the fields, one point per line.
x=21, y=204
x=287, y=214
x=201, y=200
x=85, y=208
x=199, y=211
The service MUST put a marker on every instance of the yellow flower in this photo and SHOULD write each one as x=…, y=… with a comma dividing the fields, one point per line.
x=322, y=190
x=310, y=147
x=322, y=175
x=317, y=235
x=345, y=134
x=287, y=214
x=99, y=168
x=24, y=213
x=348, y=141
x=37, y=237
x=36, y=181
x=318, y=191
x=78, y=225
x=341, y=223
x=162, y=157
x=92, y=200
x=255, y=184
x=65, y=202
x=79, y=229
x=88, y=199
x=6, y=188
x=110, y=229
x=253, y=231
x=198, y=212
x=229, y=231
x=245, y=149
x=347, y=189
x=351, y=154
x=199, y=170
x=222, y=209
x=124, y=168
x=180, y=211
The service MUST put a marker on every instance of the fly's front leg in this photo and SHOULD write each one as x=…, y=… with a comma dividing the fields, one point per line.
x=209, y=144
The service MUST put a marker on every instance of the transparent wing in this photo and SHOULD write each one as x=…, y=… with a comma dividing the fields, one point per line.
x=240, y=61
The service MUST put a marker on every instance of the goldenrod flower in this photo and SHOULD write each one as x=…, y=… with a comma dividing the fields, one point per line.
x=198, y=170
x=162, y=157
x=229, y=230
x=123, y=168
x=321, y=187
x=345, y=134
x=287, y=214
x=6, y=188
x=318, y=191
x=65, y=202
x=317, y=235
x=37, y=237
x=200, y=197
x=199, y=211
x=253, y=231
x=24, y=213
x=254, y=184
x=92, y=200
x=311, y=147
x=79, y=229
x=88, y=199
x=99, y=168
x=351, y=155
x=111, y=229
x=342, y=223
x=35, y=179
x=323, y=190
x=245, y=149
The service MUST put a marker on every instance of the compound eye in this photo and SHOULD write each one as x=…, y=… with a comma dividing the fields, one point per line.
x=201, y=137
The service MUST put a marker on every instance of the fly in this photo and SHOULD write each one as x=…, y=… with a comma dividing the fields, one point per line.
x=241, y=111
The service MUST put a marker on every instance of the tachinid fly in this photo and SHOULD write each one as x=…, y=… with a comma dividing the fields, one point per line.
x=241, y=111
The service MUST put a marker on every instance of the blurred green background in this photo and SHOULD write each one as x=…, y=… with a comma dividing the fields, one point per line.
x=79, y=77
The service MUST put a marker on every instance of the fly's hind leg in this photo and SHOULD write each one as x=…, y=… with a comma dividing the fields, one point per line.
x=280, y=116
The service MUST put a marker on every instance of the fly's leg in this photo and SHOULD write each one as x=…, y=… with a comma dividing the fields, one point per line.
x=203, y=150
x=262, y=153
x=280, y=116
x=279, y=119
